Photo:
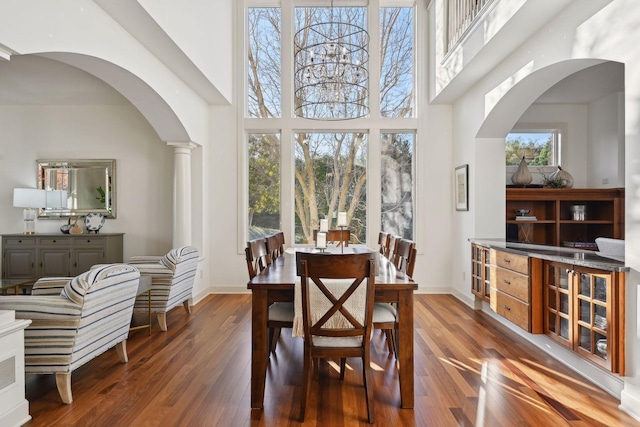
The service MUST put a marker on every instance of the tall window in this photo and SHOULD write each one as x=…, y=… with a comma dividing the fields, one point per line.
x=264, y=184
x=323, y=166
x=396, y=62
x=397, y=183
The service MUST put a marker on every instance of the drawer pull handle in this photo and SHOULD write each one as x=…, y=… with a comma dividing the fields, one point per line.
x=507, y=260
x=507, y=307
x=507, y=281
x=54, y=240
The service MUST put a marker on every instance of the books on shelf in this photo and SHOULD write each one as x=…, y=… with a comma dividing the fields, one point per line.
x=526, y=218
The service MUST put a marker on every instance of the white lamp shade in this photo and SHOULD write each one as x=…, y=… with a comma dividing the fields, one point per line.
x=57, y=199
x=29, y=198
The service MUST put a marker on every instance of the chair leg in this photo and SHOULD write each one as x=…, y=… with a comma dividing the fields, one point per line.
x=274, y=336
x=343, y=365
x=162, y=321
x=388, y=333
x=187, y=306
x=368, y=389
x=121, y=349
x=63, y=382
x=306, y=380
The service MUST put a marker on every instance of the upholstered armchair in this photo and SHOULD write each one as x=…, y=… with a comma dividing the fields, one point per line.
x=75, y=320
x=172, y=277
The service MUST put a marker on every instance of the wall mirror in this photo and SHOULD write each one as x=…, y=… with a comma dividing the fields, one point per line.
x=90, y=186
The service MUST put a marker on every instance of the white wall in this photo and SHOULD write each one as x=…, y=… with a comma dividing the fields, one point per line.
x=605, y=162
x=144, y=166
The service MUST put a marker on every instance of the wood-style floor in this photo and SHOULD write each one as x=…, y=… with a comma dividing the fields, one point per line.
x=469, y=371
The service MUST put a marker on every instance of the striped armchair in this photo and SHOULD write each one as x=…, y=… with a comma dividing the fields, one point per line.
x=75, y=320
x=172, y=277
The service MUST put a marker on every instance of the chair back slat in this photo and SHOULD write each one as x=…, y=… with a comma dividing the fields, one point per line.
x=383, y=242
x=273, y=247
x=257, y=256
x=393, y=244
x=337, y=237
x=403, y=255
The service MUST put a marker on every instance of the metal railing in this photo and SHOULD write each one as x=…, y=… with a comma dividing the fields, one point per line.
x=461, y=15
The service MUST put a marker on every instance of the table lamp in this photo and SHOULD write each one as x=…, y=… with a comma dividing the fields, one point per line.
x=30, y=199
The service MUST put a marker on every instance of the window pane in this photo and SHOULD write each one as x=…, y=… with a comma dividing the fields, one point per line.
x=396, y=61
x=538, y=148
x=397, y=183
x=331, y=175
x=263, y=63
x=264, y=184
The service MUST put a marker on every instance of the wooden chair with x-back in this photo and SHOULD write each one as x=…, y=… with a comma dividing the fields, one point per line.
x=342, y=331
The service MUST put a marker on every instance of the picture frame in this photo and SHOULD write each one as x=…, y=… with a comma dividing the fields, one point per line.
x=461, y=187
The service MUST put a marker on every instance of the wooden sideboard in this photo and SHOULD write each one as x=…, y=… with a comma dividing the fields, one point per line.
x=57, y=255
x=575, y=297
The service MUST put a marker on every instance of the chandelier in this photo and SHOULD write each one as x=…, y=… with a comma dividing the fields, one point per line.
x=331, y=81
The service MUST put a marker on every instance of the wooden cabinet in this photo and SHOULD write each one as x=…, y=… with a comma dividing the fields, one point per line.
x=515, y=289
x=480, y=271
x=554, y=222
x=584, y=311
x=39, y=255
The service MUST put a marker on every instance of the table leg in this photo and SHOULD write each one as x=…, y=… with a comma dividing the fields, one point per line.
x=405, y=348
x=258, y=349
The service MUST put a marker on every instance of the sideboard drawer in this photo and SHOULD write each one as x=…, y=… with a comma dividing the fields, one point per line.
x=511, y=283
x=51, y=241
x=89, y=241
x=511, y=309
x=18, y=241
x=519, y=263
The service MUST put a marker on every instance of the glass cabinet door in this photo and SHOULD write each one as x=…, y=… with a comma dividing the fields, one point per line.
x=557, y=302
x=480, y=271
x=592, y=295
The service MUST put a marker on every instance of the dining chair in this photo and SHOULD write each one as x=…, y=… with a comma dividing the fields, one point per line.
x=336, y=237
x=385, y=314
x=337, y=314
x=383, y=242
x=280, y=314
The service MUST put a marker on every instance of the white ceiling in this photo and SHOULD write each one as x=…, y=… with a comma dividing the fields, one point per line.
x=587, y=85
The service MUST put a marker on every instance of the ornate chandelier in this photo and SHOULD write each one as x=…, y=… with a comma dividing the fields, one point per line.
x=331, y=81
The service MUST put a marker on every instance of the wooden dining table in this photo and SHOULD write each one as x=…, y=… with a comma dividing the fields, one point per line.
x=276, y=284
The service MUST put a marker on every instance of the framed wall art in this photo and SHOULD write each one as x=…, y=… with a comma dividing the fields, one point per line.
x=461, y=189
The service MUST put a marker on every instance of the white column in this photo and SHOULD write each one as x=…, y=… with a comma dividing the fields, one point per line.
x=181, y=192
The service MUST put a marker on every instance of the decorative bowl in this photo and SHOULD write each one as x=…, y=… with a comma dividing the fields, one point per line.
x=522, y=212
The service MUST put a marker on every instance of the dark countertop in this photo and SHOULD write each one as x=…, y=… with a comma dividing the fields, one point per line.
x=573, y=256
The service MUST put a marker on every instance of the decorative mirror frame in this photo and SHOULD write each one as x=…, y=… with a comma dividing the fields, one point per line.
x=65, y=173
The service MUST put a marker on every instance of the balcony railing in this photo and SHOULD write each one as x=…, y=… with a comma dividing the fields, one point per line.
x=461, y=16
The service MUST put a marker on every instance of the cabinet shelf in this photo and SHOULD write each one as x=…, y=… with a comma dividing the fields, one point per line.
x=604, y=215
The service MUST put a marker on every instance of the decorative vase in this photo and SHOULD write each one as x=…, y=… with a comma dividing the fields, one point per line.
x=562, y=176
x=522, y=175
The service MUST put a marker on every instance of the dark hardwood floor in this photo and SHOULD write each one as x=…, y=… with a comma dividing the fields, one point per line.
x=469, y=371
